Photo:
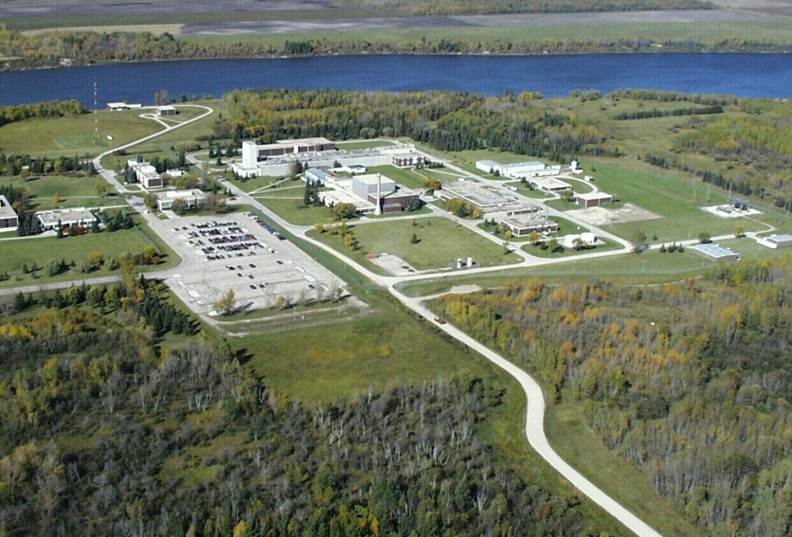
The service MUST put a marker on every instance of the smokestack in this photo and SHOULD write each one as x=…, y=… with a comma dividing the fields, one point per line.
x=378, y=208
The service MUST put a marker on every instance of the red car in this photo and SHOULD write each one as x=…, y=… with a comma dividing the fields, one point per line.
x=438, y=320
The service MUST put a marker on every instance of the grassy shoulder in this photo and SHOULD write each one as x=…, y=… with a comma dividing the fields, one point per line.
x=649, y=267
x=437, y=243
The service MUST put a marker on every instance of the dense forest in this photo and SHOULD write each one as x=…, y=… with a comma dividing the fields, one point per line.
x=446, y=120
x=690, y=381
x=110, y=429
x=48, y=49
x=470, y=7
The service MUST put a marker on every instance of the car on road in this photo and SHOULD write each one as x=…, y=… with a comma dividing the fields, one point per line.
x=438, y=320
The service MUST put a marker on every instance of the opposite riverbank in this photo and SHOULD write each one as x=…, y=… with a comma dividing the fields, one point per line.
x=746, y=33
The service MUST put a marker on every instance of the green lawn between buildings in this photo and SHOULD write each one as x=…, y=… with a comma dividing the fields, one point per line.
x=41, y=251
x=442, y=241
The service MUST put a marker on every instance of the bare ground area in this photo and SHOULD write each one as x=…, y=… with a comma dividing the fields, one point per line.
x=600, y=216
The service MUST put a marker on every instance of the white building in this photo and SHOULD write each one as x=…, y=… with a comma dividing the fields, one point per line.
x=364, y=185
x=583, y=239
x=8, y=216
x=487, y=166
x=550, y=184
x=174, y=173
x=167, y=110
x=518, y=170
x=79, y=216
x=593, y=199
x=190, y=198
x=775, y=241
x=148, y=176
x=121, y=106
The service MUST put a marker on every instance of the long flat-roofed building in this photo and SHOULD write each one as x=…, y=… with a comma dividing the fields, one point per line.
x=550, y=184
x=190, y=198
x=8, y=216
x=716, y=251
x=776, y=241
x=79, y=216
x=525, y=224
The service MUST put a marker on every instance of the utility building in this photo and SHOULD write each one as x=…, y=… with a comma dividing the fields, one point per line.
x=365, y=185
x=593, y=199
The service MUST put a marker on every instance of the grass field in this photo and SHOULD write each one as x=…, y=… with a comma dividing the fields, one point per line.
x=75, y=191
x=441, y=242
x=405, y=177
x=41, y=251
x=677, y=200
x=292, y=212
x=76, y=135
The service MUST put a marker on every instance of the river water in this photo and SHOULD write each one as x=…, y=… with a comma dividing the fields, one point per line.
x=746, y=75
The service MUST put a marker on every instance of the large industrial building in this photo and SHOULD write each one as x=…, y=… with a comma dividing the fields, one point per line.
x=365, y=185
x=518, y=170
x=8, y=216
x=54, y=218
x=252, y=152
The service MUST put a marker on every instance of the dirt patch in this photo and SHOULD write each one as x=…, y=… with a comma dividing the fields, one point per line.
x=600, y=216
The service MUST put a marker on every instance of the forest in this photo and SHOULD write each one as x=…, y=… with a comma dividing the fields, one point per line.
x=446, y=120
x=110, y=429
x=690, y=381
x=10, y=114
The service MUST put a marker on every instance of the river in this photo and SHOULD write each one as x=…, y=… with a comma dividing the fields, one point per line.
x=745, y=75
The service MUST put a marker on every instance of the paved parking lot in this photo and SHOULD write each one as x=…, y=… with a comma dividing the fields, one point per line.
x=239, y=252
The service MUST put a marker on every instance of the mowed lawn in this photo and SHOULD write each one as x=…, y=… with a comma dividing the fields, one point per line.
x=74, y=135
x=441, y=242
x=403, y=176
x=41, y=251
x=75, y=191
x=676, y=199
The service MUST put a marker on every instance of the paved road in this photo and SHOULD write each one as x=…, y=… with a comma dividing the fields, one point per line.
x=534, y=423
